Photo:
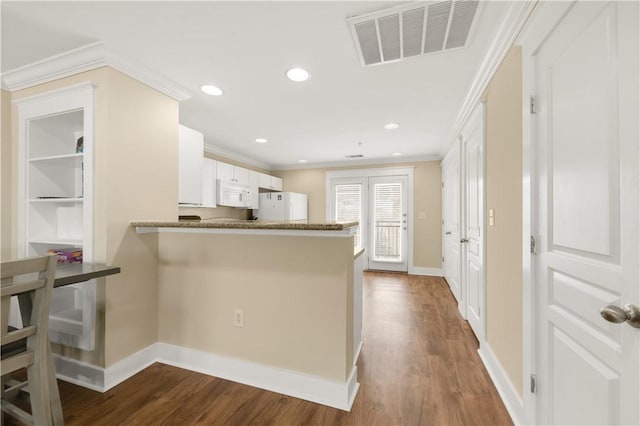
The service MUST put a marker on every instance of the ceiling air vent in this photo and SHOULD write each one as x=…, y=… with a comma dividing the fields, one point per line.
x=354, y=156
x=414, y=29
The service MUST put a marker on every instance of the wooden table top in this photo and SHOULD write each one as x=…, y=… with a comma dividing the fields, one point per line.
x=71, y=273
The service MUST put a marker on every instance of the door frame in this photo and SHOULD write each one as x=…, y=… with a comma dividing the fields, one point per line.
x=377, y=172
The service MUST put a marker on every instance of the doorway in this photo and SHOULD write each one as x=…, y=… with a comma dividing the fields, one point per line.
x=380, y=200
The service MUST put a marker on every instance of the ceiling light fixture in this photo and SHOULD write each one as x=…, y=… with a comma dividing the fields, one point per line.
x=302, y=161
x=391, y=126
x=261, y=140
x=397, y=154
x=297, y=74
x=211, y=90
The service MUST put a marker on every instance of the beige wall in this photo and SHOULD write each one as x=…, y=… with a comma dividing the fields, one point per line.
x=135, y=178
x=504, y=195
x=141, y=173
x=427, y=246
x=295, y=292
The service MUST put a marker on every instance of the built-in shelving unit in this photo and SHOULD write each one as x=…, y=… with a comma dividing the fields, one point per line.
x=55, y=197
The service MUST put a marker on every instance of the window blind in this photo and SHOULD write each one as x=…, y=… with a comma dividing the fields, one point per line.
x=387, y=221
x=349, y=206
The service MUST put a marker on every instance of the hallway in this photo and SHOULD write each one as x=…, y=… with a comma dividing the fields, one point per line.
x=418, y=366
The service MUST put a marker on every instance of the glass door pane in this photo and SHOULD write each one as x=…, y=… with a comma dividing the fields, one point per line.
x=348, y=206
x=387, y=217
x=388, y=223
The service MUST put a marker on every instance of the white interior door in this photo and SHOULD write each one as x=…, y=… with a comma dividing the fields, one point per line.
x=451, y=220
x=586, y=138
x=388, y=223
x=473, y=240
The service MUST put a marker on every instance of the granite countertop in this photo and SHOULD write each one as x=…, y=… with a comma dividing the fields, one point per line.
x=248, y=224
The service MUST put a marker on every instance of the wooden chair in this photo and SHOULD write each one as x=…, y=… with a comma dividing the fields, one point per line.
x=28, y=347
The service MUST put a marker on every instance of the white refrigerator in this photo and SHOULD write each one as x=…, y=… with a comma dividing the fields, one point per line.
x=285, y=206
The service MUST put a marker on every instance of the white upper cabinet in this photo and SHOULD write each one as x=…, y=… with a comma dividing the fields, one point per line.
x=231, y=173
x=225, y=172
x=276, y=183
x=254, y=181
x=270, y=182
x=241, y=175
x=209, y=168
x=191, y=158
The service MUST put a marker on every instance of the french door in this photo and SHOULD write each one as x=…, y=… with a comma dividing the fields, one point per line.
x=380, y=205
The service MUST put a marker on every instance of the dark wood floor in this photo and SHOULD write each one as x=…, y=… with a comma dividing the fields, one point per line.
x=418, y=366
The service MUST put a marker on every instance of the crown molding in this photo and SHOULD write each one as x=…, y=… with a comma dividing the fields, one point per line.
x=86, y=58
x=514, y=20
x=357, y=163
x=230, y=155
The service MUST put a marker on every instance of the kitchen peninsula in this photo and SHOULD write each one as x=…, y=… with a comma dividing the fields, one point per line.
x=275, y=305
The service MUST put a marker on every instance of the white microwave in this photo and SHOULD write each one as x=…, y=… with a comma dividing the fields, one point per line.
x=233, y=194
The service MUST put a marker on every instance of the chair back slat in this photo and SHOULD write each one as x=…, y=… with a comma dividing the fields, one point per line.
x=16, y=362
x=14, y=336
x=14, y=268
x=18, y=287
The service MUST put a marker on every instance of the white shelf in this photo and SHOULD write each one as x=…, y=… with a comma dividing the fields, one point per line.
x=74, y=243
x=56, y=200
x=50, y=127
x=77, y=157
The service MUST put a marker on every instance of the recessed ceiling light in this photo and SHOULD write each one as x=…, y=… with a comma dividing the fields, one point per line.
x=391, y=126
x=397, y=154
x=302, y=161
x=211, y=90
x=297, y=74
x=261, y=140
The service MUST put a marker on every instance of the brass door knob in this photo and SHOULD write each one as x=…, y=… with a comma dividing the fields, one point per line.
x=616, y=314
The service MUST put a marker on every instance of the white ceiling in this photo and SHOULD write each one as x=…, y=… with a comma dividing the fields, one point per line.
x=245, y=49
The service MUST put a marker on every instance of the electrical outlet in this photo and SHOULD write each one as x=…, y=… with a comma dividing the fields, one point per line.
x=238, y=318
